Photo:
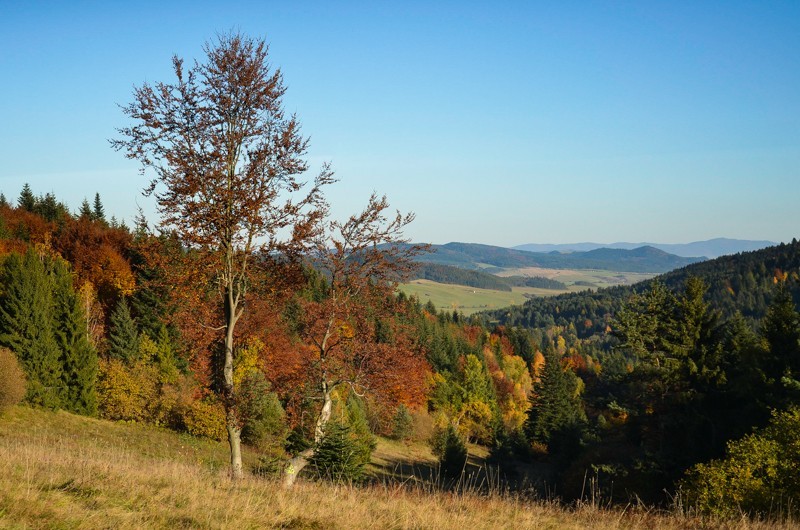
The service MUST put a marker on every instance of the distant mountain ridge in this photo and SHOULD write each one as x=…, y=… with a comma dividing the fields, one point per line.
x=474, y=256
x=712, y=248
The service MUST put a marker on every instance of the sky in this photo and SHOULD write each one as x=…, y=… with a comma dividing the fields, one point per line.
x=501, y=123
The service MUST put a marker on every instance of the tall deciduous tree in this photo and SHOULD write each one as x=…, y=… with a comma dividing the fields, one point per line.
x=225, y=160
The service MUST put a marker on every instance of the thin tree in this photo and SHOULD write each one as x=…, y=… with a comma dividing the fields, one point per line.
x=361, y=260
x=226, y=161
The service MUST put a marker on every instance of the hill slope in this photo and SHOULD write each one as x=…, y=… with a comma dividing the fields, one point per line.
x=476, y=256
x=58, y=470
x=742, y=282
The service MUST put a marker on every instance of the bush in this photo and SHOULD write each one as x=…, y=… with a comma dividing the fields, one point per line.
x=263, y=419
x=758, y=476
x=126, y=393
x=402, y=424
x=448, y=445
x=206, y=418
x=12, y=380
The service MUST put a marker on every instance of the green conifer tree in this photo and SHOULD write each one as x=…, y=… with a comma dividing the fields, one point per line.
x=86, y=211
x=26, y=199
x=79, y=358
x=556, y=411
x=123, y=336
x=98, y=213
x=27, y=323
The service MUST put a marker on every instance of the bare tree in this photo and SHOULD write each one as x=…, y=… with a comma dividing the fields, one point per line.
x=225, y=162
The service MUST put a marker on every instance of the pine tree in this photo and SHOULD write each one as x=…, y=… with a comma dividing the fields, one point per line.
x=556, y=411
x=123, y=337
x=79, y=359
x=781, y=329
x=86, y=211
x=98, y=214
x=26, y=199
x=26, y=326
x=3, y=201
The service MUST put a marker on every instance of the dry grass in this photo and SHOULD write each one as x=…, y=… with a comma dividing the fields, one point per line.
x=64, y=471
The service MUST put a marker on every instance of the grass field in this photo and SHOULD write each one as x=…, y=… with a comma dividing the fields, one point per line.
x=597, y=278
x=465, y=299
x=469, y=300
x=58, y=470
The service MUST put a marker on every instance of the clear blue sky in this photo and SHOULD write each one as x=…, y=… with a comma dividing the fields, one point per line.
x=496, y=122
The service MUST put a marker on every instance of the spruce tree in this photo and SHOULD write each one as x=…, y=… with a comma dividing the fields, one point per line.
x=86, y=211
x=26, y=326
x=123, y=337
x=781, y=329
x=26, y=199
x=98, y=213
x=556, y=412
x=79, y=358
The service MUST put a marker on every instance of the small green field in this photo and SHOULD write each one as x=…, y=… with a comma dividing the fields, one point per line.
x=469, y=300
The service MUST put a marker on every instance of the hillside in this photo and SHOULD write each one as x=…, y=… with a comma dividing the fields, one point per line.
x=742, y=282
x=475, y=256
x=712, y=248
x=474, y=278
x=58, y=470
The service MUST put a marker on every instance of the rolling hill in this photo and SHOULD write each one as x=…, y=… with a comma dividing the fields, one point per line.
x=739, y=283
x=474, y=256
x=712, y=248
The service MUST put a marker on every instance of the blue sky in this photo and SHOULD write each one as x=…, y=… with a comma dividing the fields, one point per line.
x=499, y=123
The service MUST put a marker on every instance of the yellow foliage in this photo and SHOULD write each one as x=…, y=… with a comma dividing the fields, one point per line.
x=206, y=418
x=126, y=393
x=247, y=360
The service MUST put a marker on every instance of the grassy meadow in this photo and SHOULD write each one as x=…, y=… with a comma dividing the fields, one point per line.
x=58, y=470
x=469, y=300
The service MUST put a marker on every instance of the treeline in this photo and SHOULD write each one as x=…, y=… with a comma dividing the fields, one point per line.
x=481, y=280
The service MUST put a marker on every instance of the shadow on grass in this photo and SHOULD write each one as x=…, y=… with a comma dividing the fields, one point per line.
x=476, y=476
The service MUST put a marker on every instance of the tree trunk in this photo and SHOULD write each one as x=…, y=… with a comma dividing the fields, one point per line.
x=229, y=397
x=295, y=466
x=300, y=461
x=235, y=442
x=324, y=415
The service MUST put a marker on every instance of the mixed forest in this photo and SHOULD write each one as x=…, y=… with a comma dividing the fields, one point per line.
x=247, y=314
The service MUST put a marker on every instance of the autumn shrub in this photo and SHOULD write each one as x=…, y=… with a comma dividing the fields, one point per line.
x=206, y=418
x=451, y=450
x=759, y=475
x=125, y=392
x=12, y=380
